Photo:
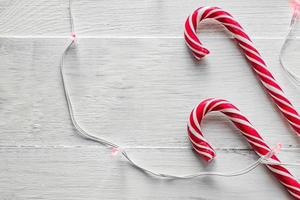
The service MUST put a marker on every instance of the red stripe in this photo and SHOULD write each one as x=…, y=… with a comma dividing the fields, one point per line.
x=206, y=12
x=261, y=149
x=248, y=46
x=201, y=142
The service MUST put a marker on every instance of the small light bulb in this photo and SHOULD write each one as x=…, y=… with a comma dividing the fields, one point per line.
x=115, y=151
x=295, y=4
x=73, y=35
x=277, y=148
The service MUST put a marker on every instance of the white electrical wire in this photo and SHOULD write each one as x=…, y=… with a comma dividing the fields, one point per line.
x=295, y=79
x=87, y=135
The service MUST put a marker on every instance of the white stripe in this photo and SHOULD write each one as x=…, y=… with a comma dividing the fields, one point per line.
x=281, y=172
x=197, y=57
x=224, y=16
x=201, y=146
x=240, y=121
x=292, y=123
x=217, y=104
x=281, y=94
x=192, y=40
x=295, y=195
x=272, y=88
x=245, y=40
x=249, y=125
x=256, y=138
x=258, y=145
x=287, y=112
x=267, y=85
x=233, y=26
x=264, y=75
x=297, y=125
x=204, y=153
x=231, y=110
x=196, y=122
x=195, y=133
x=200, y=13
x=196, y=51
x=212, y=12
x=286, y=104
x=290, y=186
x=206, y=105
x=291, y=114
x=257, y=62
x=250, y=50
x=191, y=24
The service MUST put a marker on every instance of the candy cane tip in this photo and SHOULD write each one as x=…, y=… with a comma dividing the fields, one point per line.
x=211, y=159
x=206, y=51
x=198, y=56
x=207, y=156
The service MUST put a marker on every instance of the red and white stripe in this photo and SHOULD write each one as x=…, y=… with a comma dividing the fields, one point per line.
x=253, y=56
x=205, y=150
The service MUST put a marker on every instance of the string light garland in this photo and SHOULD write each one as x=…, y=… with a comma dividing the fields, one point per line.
x=295, y=79
x=116, y=149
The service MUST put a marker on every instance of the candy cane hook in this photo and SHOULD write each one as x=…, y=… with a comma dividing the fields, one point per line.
x=205, y=150
x=252, y=55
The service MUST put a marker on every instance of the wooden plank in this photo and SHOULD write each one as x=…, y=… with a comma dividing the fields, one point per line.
x=33, y=17
x=93, y=173
x=136, y=92
x=137, y=18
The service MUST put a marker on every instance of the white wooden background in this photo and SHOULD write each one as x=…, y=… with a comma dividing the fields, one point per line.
x=133, y=81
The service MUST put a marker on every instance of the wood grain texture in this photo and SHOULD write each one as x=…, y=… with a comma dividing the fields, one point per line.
x=136, y=18
x=136, y=92
x=92, y=173
x=135, y=85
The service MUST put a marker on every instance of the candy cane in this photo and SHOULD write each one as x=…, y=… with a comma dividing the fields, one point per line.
x=203, y=148
x=250, y=52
